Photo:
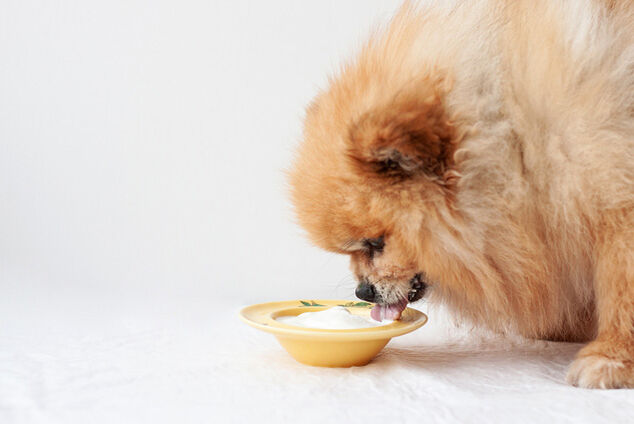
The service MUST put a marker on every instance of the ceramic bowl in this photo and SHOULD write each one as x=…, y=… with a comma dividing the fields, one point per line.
x=329, y=348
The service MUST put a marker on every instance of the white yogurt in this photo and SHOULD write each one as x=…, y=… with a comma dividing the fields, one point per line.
x=335, y=318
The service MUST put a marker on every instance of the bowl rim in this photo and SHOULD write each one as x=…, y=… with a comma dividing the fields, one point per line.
x=261, y=316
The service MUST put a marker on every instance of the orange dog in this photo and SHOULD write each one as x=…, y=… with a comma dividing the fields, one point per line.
x=483, y=154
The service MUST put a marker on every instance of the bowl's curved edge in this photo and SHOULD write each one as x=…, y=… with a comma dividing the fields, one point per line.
x=273, y=327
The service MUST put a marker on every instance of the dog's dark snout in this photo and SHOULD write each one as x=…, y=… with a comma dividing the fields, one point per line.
x=365, y=291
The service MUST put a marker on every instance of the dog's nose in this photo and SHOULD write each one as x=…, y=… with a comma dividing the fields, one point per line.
x=365, y=291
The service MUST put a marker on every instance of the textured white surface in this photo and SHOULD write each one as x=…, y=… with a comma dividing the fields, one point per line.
x=192, y=361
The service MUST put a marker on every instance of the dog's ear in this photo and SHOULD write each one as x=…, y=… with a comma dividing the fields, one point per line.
x=408, y=136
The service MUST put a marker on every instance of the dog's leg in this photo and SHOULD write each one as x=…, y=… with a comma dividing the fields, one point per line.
x=608, y=361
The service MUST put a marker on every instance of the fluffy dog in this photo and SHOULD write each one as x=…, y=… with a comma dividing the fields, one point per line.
x=482, y=153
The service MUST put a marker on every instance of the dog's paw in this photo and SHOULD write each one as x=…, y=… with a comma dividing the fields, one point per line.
x=595, y=368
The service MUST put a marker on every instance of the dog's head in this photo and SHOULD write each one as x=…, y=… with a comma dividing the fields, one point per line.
x=373, y=171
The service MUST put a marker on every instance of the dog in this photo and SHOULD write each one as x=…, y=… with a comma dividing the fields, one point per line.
x=481, y=154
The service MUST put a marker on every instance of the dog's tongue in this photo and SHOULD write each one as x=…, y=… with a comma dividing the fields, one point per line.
x=392, y=312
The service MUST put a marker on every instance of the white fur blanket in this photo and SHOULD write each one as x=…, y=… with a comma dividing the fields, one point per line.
x=174, y=362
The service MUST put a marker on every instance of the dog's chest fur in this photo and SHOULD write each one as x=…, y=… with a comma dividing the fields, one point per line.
x=544, y=138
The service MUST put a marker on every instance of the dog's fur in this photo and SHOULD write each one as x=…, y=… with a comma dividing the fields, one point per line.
x=491, y=143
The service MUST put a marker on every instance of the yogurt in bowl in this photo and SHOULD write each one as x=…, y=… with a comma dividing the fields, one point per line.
x=329, y=347
x=335, y=318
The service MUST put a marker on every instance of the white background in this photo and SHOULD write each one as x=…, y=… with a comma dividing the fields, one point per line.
x=143, y=144
x=143, y=202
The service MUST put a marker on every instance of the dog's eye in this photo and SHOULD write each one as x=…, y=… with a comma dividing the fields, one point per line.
x=389, y=165
x=374, y=245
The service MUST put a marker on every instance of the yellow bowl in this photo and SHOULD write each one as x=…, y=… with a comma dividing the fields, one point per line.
x=328, y=348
